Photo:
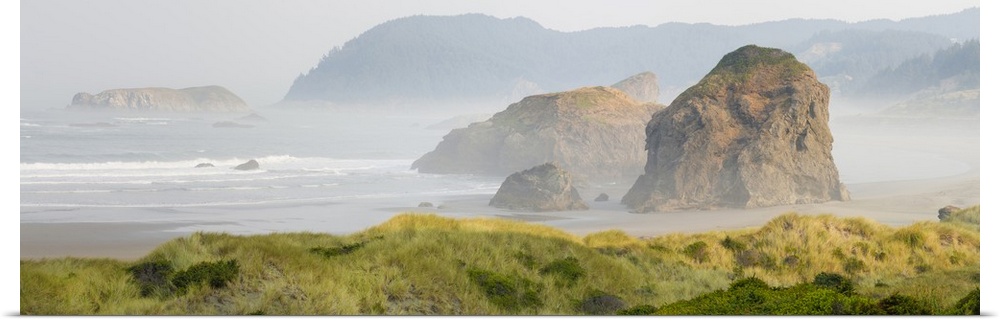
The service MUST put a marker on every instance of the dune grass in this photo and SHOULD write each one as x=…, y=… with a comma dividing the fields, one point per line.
x=417, y=264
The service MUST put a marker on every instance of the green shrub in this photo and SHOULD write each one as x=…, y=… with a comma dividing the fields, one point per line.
x=152, y=277
x=697, y=251
x=749, y=282
x=216, y=274
x=750, y=257
x=834, y=281
x=853, y=265
x=600, y=303
x=733, y=245
x=568, y=269
x=968, y=305
x=644, y=309
x=903, y=305
x=509, y=292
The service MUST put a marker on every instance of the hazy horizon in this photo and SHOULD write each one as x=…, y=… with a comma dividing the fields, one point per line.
x=257, y=49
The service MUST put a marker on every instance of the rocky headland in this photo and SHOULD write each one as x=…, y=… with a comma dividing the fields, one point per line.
x=158, y=99
x=596, y=133
x=752, y=133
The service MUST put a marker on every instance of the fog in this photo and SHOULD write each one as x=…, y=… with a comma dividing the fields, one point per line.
x=256, y=48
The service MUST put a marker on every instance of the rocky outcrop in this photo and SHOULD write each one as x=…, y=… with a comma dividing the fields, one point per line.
x=947, y=211
x=602, y=197
x=205, y=165
x=192, y=99
x=642, y=87
x=249, y=165
x=751, y=133
x=596, y=133
x=542, y=188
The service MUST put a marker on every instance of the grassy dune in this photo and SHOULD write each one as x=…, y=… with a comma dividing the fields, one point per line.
x=426, y=264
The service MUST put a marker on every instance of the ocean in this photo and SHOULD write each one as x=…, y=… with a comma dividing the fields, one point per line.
x=328, y=171
x=73, y=162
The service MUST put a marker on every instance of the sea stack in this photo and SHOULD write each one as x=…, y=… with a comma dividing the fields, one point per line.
x=643, y=87
x=545, y=187
x=752, y=133
x=596, y=133
x=158, y=99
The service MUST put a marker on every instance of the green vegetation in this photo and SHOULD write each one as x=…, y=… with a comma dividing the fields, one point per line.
x=509, y=292
x=747, y=66
x=425, y=264
x=830, y=294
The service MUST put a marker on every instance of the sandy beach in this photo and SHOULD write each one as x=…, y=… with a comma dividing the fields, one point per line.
x=896, y=189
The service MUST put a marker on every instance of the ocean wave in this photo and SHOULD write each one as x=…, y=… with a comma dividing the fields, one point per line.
x=141, y=119
x=275, y=162
x=29, y=124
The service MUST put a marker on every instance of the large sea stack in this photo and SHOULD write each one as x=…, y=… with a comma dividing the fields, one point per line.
x=596, y=133
x=542, y=188
x=158, y=99
x=751, y=133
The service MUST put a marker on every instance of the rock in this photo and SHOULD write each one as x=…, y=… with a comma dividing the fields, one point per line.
x=596, y=133
x=425, y=205
x=947, y=211
x=643, y=87
x=751, y=133
x=231, y=124
x=542, y=188
x=249, y=165
x=192, y=99
x=205, y=165
x=602, y=197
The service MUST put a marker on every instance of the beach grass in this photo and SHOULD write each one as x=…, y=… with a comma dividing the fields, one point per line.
x=419, y=264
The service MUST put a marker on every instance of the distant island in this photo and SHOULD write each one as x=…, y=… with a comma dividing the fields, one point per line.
x=159, y=99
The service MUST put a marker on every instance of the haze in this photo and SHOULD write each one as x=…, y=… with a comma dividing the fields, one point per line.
x=257, y=48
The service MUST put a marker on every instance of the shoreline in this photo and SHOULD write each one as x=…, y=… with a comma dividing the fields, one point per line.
x=128, y=233
x=894, y=203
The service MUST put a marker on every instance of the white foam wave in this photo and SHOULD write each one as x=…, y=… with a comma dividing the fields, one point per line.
x=141, y=119
x=29, y=124
x=271, y=162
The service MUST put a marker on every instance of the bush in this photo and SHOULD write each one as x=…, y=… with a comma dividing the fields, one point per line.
x=697, y=251
x=968, y=305
x=752, y=257
x=853, y=265
x=568, y=269
x=216, y=274
x=644, y=309
x=600, y=303
x=510, y=292
x=152, y=277
x=733, y=245
x=749, y=282
x=903, y=305
x=834, y=281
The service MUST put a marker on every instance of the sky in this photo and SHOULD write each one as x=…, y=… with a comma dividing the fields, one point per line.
x=256, y=48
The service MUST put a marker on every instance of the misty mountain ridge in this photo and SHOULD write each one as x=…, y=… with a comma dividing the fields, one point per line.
x=475, y=57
